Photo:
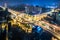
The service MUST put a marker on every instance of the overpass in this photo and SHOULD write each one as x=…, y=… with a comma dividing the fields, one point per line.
x=25, y=20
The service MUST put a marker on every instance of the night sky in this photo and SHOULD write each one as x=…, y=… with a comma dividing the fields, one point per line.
x=31, y=2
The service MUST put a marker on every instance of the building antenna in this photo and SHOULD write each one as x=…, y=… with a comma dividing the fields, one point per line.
x=5, y=5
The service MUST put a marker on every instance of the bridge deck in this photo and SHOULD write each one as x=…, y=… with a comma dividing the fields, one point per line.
x=52, y=32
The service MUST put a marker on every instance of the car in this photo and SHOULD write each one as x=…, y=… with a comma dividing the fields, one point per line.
x=47, y=27
x=51, y=28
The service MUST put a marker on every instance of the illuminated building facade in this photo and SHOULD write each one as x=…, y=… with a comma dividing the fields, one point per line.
x=58, y=17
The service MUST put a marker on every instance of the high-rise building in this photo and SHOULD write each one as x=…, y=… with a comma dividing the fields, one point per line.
x=26, y=9
x=38, y=9
x=58, y=17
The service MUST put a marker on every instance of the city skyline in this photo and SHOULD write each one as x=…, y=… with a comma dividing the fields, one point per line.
x=31, y=2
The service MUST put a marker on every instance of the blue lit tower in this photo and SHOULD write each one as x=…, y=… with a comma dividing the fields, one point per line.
x=37, y=29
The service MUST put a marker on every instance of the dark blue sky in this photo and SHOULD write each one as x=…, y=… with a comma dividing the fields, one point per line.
x=31, y=2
